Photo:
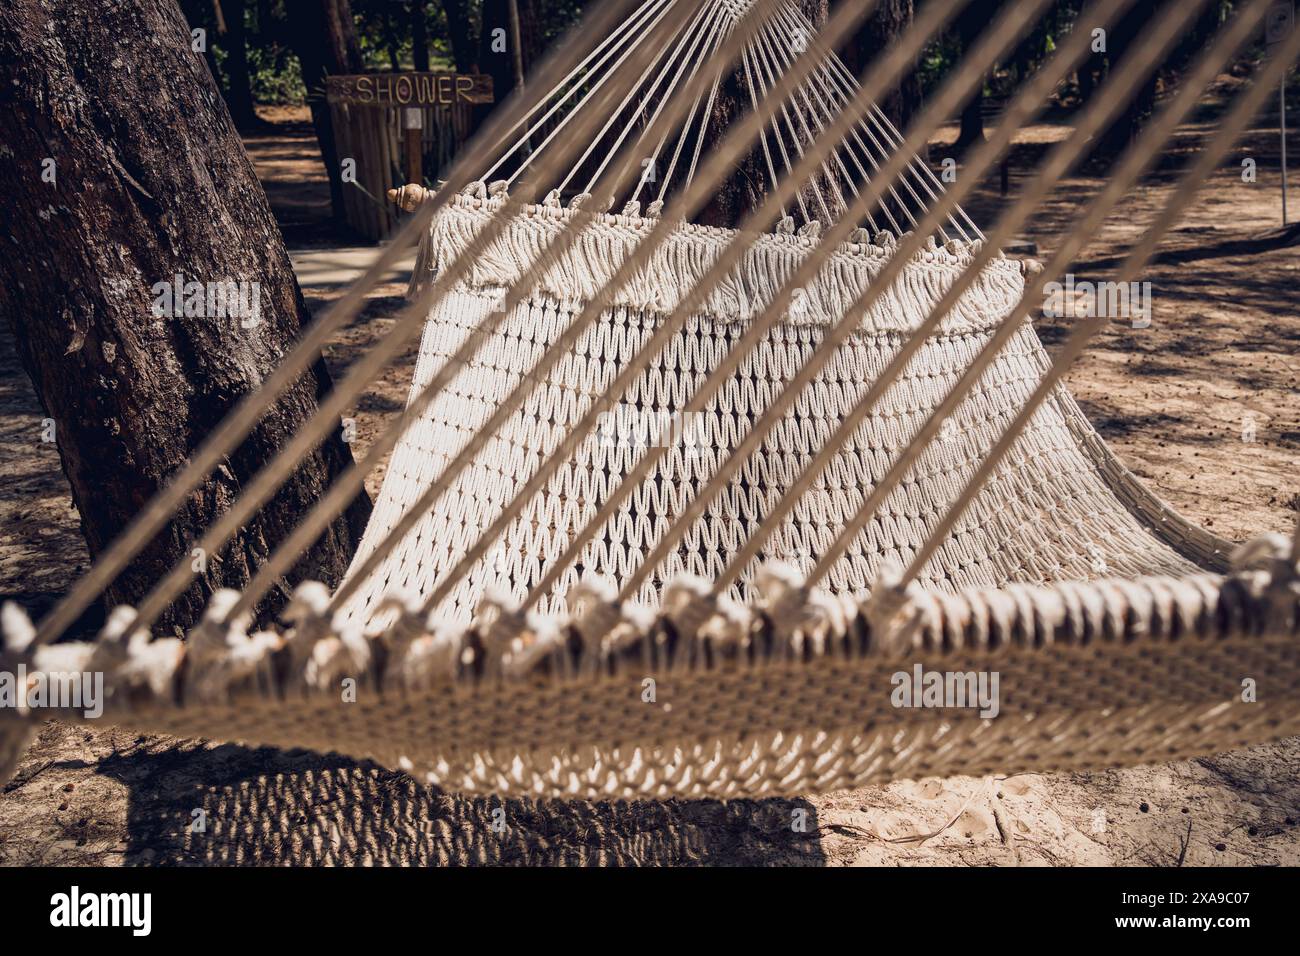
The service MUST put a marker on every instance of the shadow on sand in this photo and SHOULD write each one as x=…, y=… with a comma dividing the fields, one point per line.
x=271, y=807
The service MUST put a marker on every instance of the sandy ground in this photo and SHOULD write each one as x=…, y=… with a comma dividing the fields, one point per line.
x=1203, y=405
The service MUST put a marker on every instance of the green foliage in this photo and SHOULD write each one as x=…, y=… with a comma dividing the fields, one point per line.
x=276, y=76
x=384, y=31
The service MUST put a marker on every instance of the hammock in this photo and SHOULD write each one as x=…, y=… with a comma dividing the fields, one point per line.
x=676, y=510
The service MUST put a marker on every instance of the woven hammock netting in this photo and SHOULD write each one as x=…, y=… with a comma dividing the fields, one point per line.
x=761, y=468
x=1060, y=507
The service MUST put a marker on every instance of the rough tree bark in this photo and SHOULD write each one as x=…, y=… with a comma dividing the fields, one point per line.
x=124, y=171
x=324, y=39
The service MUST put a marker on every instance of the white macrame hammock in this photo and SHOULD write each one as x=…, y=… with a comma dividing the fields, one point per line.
x=564, y=655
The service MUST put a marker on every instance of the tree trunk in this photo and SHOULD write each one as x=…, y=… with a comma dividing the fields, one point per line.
x=324, y=38
x=969, y=23
x=877, y=33
x=460, y=34
x=239, y=96
x=498, y=55
x=130, y=173
x=1128, y=124
x=419, y=36
x=743, y=191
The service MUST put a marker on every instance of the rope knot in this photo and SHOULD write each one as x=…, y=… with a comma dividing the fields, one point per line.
x=708, y=626
x=1268, y=567
x=17, y=630
x=807, y=621
x=220, y=653
x=596, y=613
x=514, y=642
x=319, y=658
x=407, y=626
x=894, y=612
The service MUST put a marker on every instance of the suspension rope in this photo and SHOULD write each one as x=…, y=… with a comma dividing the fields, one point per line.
x=687, y=125
x=839, y=81
x=842, y=79
x=699, y=138
x=634, y=25
x=1134, y=164
x=1135, y=68
x=993, y=44
x=614, y=71
x=805, y=29
x=770, y=69
x=819, y=120
x=698, y=40
x=776, y=134
x=717, y=165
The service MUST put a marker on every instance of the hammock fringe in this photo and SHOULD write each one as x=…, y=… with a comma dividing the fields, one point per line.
x=475, y=683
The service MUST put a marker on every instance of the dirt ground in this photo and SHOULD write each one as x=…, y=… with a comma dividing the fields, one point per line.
x=1202, y=404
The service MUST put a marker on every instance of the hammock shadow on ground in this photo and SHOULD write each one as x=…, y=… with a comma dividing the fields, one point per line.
x=264, y=807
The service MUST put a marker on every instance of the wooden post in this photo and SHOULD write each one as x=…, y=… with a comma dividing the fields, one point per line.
x=1278, y=24
x=1282, y=124
x=516, y=44
x=412, y=129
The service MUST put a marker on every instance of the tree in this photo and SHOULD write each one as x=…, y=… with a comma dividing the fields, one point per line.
x=324, y=38
x=499, y=55
x=460, y=35
x=1138, y=107
x=878, y=32
x=225, y=25
x=970, y=22
x=239, y=96
x=419, y=36
x=125, y=173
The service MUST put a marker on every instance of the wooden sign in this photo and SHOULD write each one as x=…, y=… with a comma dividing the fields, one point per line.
x=409, y=89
